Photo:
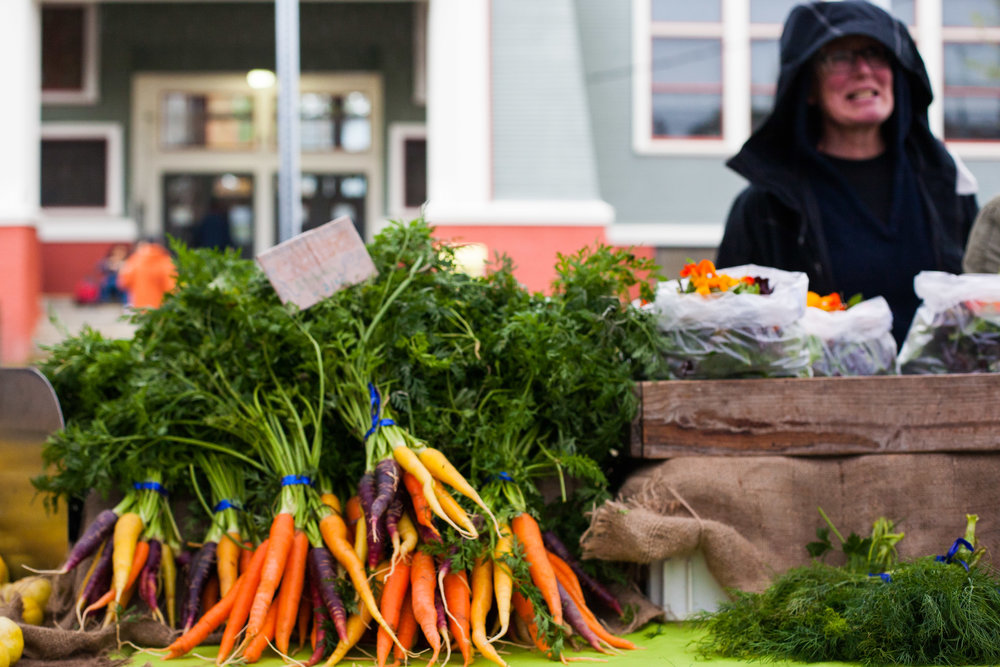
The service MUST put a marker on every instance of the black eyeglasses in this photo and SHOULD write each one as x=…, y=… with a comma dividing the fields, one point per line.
x=841, y=61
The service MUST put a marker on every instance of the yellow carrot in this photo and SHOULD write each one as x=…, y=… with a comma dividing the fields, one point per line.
x=482, y=583
x=454, y=510
x=503, y=582
x=408, y=537
x=168, y=574
x=127, y=530
x=440, y=468
x=410, y=462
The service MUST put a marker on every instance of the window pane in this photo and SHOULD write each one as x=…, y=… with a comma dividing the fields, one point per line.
x=74, y=172
x=687, y=115
x=188, y=199
x=687, y=87
x=326, y=197
x=970, y=13
x=672, y=10
x=770, y=11
x=213, y=120
x=332, y=122
x=62, y=48
x=764, y=67
x=415, y=178
x=678, y=62
x=972, y=91
x=904, y=11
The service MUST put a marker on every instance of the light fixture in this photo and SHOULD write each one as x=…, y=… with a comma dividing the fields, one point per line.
x=260, y=78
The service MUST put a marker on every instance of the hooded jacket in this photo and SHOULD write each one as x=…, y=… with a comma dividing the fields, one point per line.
x=790, y=214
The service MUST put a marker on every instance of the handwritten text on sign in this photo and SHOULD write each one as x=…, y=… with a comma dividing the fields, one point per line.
x=312, y=266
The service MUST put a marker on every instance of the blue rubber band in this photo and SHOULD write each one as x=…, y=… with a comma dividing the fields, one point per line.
x=150, y=486
x=884, y=576
x=290, y=480
x=376, y=403
x=226, y=505
x=505, y=476
x=950, y=557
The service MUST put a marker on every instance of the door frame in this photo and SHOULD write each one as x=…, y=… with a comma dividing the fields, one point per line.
x=149, y=161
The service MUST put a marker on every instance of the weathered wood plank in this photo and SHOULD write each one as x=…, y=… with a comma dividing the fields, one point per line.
x=818, y=416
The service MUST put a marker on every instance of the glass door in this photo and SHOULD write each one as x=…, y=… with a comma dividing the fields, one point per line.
x=326, y=197
x=210, y=210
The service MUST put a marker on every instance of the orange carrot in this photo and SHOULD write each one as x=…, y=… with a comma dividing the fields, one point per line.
x=423, y=583
x=526, y=612
x=305, y=616
x=421, y=510
x=334, y=530
x=482, y=592
x=566, y=576
x=292, y=582
x=139, y=555
x=526, y=530
x=406, y=631
x=281, y=536
x=227, y=564
x=357, y=624
x=246, y=554
x=255, y=648
x=208, y=622
x=352, y=512
x=241, y=606
x=397, y=584
x=210, y=593
x=458, y=603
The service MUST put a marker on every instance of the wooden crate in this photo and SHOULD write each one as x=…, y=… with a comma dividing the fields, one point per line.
x=818, y=416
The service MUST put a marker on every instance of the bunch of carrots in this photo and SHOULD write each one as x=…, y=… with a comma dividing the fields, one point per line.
x=132, y=549
x=415, y=553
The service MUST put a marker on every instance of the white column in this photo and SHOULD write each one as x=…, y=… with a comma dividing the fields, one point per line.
x=459, y=154
x=929, y=41
x=20, y=124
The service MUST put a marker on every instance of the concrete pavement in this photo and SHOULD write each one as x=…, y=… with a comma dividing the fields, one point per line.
x=62, y=317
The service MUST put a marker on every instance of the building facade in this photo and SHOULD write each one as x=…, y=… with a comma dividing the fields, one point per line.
x=528, y=127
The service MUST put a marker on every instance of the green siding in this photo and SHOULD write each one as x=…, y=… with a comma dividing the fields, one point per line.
x=642, y=188
x=542, y=146
x=188, y=37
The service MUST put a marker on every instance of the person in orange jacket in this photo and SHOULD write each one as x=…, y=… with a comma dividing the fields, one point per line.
x=147, y=274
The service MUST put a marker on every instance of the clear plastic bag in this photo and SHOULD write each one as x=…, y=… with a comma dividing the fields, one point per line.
x=852, y=342
x=730, y=335
x=956, y=329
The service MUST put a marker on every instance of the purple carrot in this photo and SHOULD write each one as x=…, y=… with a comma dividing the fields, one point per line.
x=97, y=532
x=199, y=568
x=392, y=514
x=99, y=582
x=320, y=617
x=387, y=476
x=147, y=577
x=442, y=616
x=373, y=533
x=576, y=621
x=555, y=545
x=322, y=571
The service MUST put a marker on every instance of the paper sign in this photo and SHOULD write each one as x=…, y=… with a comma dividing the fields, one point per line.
x=312, y=266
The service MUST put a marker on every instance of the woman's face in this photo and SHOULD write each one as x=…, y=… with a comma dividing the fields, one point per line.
x=854, y=83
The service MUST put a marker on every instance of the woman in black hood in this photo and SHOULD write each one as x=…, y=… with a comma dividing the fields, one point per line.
x=847, y=183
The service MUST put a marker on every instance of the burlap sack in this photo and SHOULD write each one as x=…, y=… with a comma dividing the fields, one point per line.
x=751, y=517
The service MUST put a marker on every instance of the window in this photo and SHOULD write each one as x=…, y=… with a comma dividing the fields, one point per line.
x=336, y=122
x=705, y=74
x=69, y=54
x=81, y=169
x=971, y=55
x=407, y=169
x=210, y=120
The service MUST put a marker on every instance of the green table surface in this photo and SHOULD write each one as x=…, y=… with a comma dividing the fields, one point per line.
x=667, y=644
